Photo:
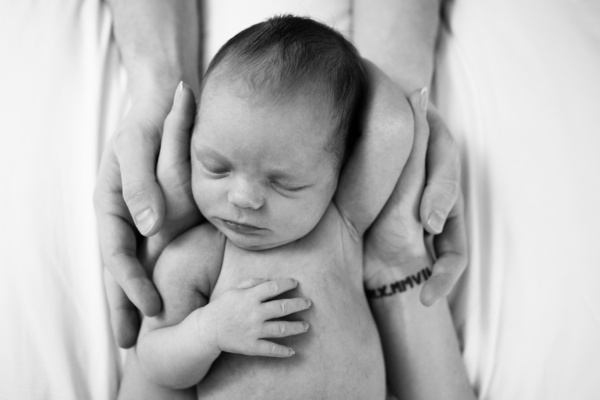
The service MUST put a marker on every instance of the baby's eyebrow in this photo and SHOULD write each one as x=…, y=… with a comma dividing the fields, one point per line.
x=285, y=174
x=204, y=150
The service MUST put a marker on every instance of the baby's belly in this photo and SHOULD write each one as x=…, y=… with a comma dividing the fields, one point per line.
x=340, y=357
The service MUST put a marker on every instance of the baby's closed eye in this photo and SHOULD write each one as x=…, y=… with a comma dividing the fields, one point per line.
x=214, y=168
x=289, y=187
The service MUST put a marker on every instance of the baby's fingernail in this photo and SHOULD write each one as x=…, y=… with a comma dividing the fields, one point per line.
x=305, y=325
x=291, y=352
x=424, y=98
x=308, y=302
x=145, y=221
x=436, y=221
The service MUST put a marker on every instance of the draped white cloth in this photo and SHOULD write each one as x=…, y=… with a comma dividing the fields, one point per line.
x=60, y=95
x=518, y=83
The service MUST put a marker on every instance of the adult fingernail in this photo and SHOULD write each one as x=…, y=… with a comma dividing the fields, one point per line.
x=436, y=221
x=179, y=91
x=424, y=98
x=145, y=221
x=428, y=297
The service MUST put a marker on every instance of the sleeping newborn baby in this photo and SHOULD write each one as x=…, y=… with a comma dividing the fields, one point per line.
x=276, y=122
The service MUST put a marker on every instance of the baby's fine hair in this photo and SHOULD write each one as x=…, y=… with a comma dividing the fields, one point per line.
x=286, y=56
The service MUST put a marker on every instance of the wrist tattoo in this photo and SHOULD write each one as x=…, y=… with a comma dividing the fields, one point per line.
x=399, y=286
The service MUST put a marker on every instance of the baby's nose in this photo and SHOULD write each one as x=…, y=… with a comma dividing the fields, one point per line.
x=246, y=194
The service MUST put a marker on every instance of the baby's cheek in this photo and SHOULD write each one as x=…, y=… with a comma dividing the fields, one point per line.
x=204, y=194
x=307, y=215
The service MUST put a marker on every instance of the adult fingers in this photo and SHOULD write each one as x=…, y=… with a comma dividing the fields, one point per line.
x=118, y=240
x=412, y=176
x=175, y=145
x=283, y=307
x=136, y=147
x=270, y=349
x=275, y=287
x=125, y=319
x=451, y=250
x=443, y=175
x=279, y=329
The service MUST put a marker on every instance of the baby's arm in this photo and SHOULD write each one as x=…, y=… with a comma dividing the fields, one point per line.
x=177, y=348
x=372, y=171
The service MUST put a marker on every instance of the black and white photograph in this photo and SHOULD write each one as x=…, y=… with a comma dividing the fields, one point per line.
x=299, y=199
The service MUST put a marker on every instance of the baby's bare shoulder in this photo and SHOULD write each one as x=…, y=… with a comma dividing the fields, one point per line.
x=193, y=259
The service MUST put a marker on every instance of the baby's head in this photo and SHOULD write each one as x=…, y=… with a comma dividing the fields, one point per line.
x=275, y=122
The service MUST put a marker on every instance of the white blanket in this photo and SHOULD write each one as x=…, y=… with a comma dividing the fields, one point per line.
x=518, y=83
x=60, y=96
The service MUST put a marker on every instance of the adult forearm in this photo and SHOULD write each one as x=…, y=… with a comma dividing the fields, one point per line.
x=422, y=355
x=399, y=36
x=159, y=42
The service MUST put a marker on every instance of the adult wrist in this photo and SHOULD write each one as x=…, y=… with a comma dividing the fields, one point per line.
x=400, y=279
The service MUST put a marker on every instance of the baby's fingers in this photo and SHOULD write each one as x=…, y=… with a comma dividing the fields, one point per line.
x=273, y=288
x=279, y=329
x=270, y=349
x=281, y=308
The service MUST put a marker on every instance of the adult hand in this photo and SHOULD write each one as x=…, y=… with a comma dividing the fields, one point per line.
x=396, y=237
x=442, y=210
x=419, y=343
x=128, y=199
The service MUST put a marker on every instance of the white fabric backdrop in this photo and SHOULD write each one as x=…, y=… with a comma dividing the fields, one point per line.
x=60, y=96
x=518, y=83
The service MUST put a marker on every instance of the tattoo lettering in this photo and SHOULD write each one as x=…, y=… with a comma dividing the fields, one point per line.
x=400, y=286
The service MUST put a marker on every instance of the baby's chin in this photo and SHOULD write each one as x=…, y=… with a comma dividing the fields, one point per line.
x=253, y=244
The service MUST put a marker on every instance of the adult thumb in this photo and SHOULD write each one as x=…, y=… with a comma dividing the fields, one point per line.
x=137, y=152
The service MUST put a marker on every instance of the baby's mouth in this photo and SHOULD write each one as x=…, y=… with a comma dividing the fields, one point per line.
x=240, y=227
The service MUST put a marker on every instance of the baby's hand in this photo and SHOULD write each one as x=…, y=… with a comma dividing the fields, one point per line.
x=242, y=317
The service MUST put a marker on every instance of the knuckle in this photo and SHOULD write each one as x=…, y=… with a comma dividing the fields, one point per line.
x=450, y=190
x=282, y=328
x=283, y=306
x=274, y=287
x=134, y=193
x=442, y=194
x=276, y=350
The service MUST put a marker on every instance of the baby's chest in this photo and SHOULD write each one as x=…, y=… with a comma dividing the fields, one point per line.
x=321, y=262
x=329, y=272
